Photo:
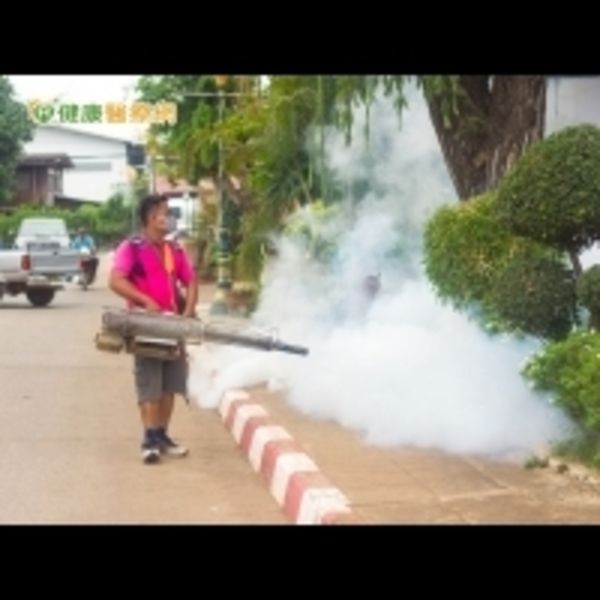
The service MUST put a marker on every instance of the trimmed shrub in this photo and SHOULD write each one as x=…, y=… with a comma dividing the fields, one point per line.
x=552, y=194
x=569, y=370
x=466, y=249
x=535, y=294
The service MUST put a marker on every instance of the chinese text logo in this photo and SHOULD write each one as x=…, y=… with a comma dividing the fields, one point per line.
x=111, y=112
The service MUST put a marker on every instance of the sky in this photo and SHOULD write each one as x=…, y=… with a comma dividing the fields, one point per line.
x=83, y=89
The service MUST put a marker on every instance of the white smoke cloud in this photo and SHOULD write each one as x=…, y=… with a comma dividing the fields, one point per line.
x=404, y=370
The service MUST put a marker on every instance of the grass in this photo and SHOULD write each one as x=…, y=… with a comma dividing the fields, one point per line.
x=536, y=462
x=584, y=449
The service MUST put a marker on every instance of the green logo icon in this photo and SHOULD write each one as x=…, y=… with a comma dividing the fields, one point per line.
x=42, y=112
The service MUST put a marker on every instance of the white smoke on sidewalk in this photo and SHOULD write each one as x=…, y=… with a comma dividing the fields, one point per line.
x=409, y=371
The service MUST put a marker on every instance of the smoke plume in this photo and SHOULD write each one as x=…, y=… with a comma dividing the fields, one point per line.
x=402, y=370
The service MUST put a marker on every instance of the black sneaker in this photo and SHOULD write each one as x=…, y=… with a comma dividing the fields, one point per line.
x=150, y=453
x=171, y=448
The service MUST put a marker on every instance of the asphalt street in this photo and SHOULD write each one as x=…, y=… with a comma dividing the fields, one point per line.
x=70, y=432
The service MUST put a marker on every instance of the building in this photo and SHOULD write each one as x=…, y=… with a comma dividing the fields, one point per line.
x=179, y=189
x=572, y=100
x=40, y=177
x=98, y=166
x=184, y=204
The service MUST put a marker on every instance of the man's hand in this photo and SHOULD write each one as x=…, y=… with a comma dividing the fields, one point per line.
x=151, y=306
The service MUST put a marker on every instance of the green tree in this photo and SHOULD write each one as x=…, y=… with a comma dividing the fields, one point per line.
x=480, y=132
x=552, y=195
x=263, y=138
x=550, y=201
x=535, y=294
x=274, y=141
x=466, y=249
x=16, y=128
x=477, y=265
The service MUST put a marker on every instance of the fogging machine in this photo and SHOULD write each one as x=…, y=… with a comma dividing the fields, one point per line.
x=162, y=336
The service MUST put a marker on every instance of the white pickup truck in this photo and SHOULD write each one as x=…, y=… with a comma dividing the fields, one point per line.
x=38, y=263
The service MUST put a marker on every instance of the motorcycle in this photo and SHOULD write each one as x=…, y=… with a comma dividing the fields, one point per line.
x=88, y=272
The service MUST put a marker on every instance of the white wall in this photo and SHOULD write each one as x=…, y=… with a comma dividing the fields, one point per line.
x=100, y=164
x=572, y=101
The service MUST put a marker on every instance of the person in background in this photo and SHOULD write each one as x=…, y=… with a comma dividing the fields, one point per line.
x=146, y=271
x=82, y=241
x=371, y=287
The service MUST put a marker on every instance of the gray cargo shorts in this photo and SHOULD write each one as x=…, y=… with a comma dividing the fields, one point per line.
x=154, y=377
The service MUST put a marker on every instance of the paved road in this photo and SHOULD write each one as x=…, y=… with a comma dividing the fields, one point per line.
x=69, y=433
x=69, y=441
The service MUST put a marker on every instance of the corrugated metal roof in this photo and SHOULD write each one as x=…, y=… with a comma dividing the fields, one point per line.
x=46, y=159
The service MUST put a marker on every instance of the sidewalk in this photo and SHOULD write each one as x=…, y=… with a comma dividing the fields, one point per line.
x=406, y=486
x=411, y=486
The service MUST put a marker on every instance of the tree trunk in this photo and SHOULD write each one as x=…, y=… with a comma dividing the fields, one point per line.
x=499, y=117
x=576, y=263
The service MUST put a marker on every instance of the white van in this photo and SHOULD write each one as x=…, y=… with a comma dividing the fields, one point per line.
x=185, y=212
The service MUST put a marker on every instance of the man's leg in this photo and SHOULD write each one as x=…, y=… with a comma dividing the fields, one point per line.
x=149, y=383
x=175, y=382
x=94, y=266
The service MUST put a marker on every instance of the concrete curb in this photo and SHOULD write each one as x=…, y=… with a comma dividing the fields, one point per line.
x=294, y=480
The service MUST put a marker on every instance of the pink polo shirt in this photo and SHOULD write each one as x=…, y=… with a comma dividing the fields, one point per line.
x=156, y=283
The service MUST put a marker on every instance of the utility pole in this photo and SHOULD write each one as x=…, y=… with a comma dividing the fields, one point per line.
x=224, y=261
x=219, y=305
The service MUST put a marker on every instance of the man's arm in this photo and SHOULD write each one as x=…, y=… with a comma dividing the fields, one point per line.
x=186, y=275
x=119, y=282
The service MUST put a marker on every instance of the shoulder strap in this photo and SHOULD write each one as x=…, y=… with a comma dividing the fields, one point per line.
x=169, y=258
x=137, y=269
x=173, y=251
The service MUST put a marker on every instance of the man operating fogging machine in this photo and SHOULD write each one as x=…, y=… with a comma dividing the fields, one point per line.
x=147, y=272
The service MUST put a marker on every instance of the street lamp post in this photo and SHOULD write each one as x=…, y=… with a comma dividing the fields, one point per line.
x=224, y=261
x=220, y=305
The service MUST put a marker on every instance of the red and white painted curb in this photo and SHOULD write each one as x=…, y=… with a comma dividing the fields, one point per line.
x=304, y=494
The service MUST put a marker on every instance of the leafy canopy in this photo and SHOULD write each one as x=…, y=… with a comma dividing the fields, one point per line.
x=552, y=195
x=466, y=249
x=569, y=370
x=536, y=295
x=273, y=139
x=16, y=128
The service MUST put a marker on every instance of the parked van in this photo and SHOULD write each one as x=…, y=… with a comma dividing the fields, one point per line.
x=185, y=212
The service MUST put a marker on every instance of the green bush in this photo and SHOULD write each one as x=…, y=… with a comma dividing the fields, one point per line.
x=570, y=371
x=535, y=294
x=552, y=195
x=108, y=222
x=466, y=249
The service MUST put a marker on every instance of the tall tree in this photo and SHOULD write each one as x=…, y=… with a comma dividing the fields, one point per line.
x=483, y=122
x=16, y=128
x=276, y=141
x=195, y=140
x=498, y=118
